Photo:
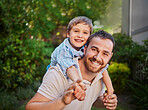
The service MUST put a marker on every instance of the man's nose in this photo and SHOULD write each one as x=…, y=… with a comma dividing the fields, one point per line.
x=98, y=57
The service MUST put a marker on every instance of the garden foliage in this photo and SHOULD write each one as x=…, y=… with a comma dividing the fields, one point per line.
x=119, y=74
x=26, y=34
x=128, y=55
x=128, y=51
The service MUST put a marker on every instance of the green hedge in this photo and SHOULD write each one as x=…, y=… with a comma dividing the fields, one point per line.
x=119, y=74
x=128, y=51
x=22, y=61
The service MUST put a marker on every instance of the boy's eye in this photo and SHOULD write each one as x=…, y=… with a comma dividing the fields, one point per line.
x=85, y=32
x=75, y=31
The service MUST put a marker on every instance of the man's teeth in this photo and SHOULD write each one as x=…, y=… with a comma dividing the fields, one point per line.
x=95, y=63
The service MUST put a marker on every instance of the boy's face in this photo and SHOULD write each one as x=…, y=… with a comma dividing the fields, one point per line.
x=78, y=35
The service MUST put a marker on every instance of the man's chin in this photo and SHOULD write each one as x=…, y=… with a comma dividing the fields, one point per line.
x=94, y=70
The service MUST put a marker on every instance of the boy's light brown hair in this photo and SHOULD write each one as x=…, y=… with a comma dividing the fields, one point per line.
x=80, y=19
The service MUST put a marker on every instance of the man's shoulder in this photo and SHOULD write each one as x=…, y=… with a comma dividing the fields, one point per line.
x=54, y=72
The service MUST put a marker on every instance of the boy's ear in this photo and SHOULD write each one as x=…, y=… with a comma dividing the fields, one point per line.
x=67, y=34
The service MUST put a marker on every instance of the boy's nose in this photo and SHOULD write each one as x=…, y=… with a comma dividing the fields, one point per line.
x=80, y=35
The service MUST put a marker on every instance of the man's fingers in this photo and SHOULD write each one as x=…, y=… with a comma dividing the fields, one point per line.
x=110, y=104
x=79, y=80
x=72, y=86
x=105, y=94
x=112, y=96
x=111, y=108
x=69, y=92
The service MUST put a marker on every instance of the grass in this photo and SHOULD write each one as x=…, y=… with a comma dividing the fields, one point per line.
x=119, y=107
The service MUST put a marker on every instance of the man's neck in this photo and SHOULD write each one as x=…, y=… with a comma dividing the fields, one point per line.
x=86, y=75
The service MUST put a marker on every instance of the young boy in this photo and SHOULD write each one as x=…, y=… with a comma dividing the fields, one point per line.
x=78, y=31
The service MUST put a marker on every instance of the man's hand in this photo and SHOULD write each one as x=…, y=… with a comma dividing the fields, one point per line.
x=68, y=95
x=111, y=102
x=73, y=92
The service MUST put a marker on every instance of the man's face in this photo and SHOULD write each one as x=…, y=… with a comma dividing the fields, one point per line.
x=97, y=54
x=78, y=35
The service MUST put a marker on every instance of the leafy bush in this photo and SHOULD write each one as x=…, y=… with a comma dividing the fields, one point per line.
x=128, y=51
x=22, y=58
x=24, y=93
x=141, y=70
x=139, y=95
x=21, y=61
x=8, y=101
x=119, y=74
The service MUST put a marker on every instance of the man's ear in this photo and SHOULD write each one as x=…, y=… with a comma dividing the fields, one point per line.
x=85, y=47
x=111, y=55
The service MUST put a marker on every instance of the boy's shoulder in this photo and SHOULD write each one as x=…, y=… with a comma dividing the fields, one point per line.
x=65, y=45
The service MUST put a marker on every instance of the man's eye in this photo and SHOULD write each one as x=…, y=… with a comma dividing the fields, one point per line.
x=105, y=54
x=94, y=49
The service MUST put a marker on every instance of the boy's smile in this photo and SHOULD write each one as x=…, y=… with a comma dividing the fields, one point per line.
x=78, y=35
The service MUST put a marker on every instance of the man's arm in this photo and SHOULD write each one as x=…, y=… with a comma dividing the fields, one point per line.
x=99, y=103
x=40, y=102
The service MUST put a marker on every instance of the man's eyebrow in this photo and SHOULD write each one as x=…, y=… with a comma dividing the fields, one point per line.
x=94, y=47
x=107, y=51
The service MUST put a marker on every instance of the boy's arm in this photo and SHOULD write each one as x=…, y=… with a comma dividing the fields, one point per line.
x=108, y=83
x=79, y=92
x=72, y=73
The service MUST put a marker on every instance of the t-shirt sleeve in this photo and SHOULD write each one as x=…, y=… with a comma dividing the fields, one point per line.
x=53, y=85
x=105, y=68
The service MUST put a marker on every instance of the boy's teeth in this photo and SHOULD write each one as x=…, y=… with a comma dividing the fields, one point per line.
x=78, y=40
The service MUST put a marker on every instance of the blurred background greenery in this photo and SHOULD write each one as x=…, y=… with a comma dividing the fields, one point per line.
x=30, y=30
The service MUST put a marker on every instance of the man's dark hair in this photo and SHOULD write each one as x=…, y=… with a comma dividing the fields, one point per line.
x=103, y=35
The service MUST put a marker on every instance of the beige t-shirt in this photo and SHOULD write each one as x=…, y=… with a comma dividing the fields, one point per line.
x=54, y=83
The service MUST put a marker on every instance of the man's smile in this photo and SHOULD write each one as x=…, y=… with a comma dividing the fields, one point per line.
x=95, y=62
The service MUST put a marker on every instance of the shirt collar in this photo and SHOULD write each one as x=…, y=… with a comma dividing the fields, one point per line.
x=98, y=77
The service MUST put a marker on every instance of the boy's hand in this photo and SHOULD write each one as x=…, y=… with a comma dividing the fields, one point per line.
x=82, y=85
x=80, y=91
x=109, y=92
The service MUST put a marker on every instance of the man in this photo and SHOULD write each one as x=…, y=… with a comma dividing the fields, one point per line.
x=56, y=92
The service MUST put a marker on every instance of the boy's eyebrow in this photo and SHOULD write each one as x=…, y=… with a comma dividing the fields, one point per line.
x=84, y=30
